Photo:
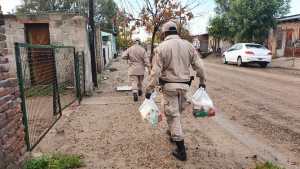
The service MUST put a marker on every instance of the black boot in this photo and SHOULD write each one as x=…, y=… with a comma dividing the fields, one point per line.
x=180, y=152
x=140, y=92
x=135, y=97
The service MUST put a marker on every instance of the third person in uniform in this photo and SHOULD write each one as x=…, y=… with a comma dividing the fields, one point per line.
x=138, y=62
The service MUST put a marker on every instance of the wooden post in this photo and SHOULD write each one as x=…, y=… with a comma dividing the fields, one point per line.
x=92, y=42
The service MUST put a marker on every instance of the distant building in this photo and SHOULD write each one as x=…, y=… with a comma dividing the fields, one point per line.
x=200, y=42
x=109, y=47
x=46, y=29
x=284, y=39
x=218, y=46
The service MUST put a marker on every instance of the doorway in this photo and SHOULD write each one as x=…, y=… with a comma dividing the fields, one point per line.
x=41, y=60
x=104, y=56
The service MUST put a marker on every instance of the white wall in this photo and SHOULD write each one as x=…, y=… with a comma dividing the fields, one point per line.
x=108, y=51
x=14, y=33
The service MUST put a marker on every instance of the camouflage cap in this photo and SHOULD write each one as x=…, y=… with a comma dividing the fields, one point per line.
x=136, y=39
x=169, y=26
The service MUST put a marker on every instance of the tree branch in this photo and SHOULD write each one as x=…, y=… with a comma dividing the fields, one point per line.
x=149, y=6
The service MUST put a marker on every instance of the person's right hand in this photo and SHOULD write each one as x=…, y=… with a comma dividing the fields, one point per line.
x=147, y=95
x=202, y=85
x=149, y=70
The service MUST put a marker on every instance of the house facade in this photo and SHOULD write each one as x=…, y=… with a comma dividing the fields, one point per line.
x=218, y=46
x=109, y=48
x=284, y=40
x=200, y=42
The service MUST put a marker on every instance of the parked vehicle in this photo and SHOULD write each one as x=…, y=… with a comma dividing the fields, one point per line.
x=242, y=53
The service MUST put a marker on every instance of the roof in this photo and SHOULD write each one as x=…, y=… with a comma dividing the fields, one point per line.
x=248, y=43
x=203, y=34
x=289, y=18
x=8, y=16
x=38, y=15
x=105, y=33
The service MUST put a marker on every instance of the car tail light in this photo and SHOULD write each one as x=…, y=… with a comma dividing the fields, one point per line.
x=270, y=53
x=249, y=52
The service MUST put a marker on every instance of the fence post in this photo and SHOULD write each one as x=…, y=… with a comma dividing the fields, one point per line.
x=22, y=93
x=83, y=74
x=77, y=76
x=56, y=96
x=83, y=70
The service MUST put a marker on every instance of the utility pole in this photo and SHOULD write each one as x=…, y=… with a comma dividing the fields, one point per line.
x=92, y=42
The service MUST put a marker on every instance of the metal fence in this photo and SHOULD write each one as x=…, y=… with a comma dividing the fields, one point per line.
x=49, y=81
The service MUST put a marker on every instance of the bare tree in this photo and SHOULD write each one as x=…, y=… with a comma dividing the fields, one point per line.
x=154, y=13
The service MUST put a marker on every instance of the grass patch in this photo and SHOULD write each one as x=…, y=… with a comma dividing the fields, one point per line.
x=268, y=165
x=56, y=161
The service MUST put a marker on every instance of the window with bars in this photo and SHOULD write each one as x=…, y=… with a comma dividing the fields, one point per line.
x=279, y=37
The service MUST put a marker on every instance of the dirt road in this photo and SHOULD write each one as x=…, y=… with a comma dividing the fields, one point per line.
x=263, y=102
x=258, y=120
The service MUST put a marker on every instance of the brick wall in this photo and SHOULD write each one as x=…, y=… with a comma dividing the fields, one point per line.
x=12, y=144
x=14, y=33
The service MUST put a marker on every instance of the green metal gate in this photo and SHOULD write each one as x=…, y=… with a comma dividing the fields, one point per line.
x=49, y=81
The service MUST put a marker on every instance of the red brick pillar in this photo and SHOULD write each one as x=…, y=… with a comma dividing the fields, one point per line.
x=12, y=144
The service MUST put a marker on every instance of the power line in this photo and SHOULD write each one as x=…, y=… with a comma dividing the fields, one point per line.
x=122, y=6
x=128, y=7
x=133, y=7
x=119, y=3
x=136, y=1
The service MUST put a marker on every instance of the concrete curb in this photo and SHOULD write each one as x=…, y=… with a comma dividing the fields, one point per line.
x=288, y=68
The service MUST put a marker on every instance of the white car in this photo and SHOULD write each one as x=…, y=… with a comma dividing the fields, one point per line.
x=242, y=53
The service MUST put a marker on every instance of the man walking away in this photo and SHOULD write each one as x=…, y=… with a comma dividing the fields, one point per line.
x=138, y=61
x=172, y=60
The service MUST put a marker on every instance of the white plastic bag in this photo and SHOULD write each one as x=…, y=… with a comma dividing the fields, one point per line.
x=201, y=100
x=149, y=110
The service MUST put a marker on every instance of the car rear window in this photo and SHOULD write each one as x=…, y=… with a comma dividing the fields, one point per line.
x=256, y=46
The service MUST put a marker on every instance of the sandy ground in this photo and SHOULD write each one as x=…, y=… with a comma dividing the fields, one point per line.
x=264, y=102
x=258, y=120
x=40, y=113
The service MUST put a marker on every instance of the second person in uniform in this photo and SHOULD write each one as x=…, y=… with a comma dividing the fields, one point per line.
x=171, y=67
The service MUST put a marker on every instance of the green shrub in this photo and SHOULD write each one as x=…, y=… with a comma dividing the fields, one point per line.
x=268, y=165
x=56, y=161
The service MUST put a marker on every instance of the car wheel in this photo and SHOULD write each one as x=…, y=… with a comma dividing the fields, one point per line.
x=224, y=60
x=239, y=61
x=263, y=65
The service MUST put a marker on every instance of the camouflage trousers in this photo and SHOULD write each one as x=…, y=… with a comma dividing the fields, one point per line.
x=136, y=82
x=172, y=105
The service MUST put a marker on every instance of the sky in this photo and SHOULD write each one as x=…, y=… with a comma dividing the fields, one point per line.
x=198, y=25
